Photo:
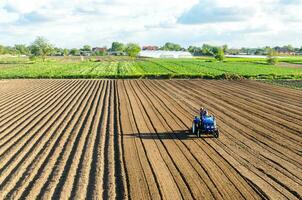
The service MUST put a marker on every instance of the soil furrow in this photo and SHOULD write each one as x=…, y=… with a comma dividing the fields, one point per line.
x=19, y=111
x=26, y=99
x=24, y=91
x=66, y=182
x=25, y=119
x=94, y=187
x=149, y=174
x=41, y=148
x=23, y=134
x=62, y=160
x=81, y=181
x=54, y=147
x=109, y=160
x=121, y=188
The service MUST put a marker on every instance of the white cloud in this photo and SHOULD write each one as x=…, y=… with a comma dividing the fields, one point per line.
x=7, y=17
x=73, y=23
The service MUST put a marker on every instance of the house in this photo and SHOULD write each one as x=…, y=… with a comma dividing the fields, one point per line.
x=99, y=49
x=284, y=51
x=150, y=48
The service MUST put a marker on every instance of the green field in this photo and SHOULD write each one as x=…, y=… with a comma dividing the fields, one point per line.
x=124, y=67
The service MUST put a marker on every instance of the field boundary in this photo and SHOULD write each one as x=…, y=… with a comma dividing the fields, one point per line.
x=224, y=76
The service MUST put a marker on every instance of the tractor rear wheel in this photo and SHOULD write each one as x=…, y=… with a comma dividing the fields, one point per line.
x=193, y=128
x=216, y=134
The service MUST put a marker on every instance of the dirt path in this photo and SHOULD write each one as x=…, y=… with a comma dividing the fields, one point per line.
x=129, y=139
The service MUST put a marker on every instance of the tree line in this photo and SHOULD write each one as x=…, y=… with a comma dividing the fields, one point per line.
x=41, y=47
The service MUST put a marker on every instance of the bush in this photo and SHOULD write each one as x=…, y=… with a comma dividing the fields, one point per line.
x=228, y=76
x=132, y=49
x=32, y=58
x=272, y=61
x=220, y=54
x=272, y=57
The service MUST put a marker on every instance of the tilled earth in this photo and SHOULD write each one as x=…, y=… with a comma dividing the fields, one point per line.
x=100, y=139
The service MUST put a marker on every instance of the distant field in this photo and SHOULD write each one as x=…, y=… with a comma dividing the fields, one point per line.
x=124, y=67
x=297, y=84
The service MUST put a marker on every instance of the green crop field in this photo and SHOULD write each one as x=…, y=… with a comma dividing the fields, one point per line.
x=124, y=67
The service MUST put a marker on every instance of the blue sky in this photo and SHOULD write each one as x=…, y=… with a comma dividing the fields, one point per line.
x=73, y=23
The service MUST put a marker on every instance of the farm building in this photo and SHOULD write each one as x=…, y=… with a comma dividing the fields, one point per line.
x=150, y=48
x=165, y=54
x=99, y=49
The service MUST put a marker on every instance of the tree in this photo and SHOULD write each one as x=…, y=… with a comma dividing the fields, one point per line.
x=2, y=50
x=169, y=46
x=225, y=48
x=57, y=52
x=196, y=51
x=234, y=51
x=117, y=46
x=7, y=50
x=132, y=49
x=65, y=52
x=259, y=51
x=86, y=48
x=288, y=47
x=74, y=52
x=267, y=49
x=208, y=50
x=272, y=57
x=21, y=49
x=220, y=54
x=100, y=51
x=41, y=47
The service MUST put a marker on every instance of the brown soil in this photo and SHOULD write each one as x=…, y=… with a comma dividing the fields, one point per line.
x=290, y=65
x=130, y=139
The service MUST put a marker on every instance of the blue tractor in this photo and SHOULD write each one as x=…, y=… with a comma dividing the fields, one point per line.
x=205, y=124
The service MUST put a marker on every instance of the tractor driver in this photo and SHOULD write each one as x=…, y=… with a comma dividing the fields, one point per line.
x=203, y=112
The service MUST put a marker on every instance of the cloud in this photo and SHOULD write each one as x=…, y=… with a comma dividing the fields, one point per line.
x=33, y=18
x=209, y=11
x=73, y=23
x=7, y=17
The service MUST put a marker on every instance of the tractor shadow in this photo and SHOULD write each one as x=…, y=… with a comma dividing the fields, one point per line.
x=179, y=134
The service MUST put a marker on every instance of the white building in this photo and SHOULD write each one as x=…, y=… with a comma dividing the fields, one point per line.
x=165, y=54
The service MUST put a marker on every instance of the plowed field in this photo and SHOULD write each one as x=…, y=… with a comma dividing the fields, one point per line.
x=99, y=139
